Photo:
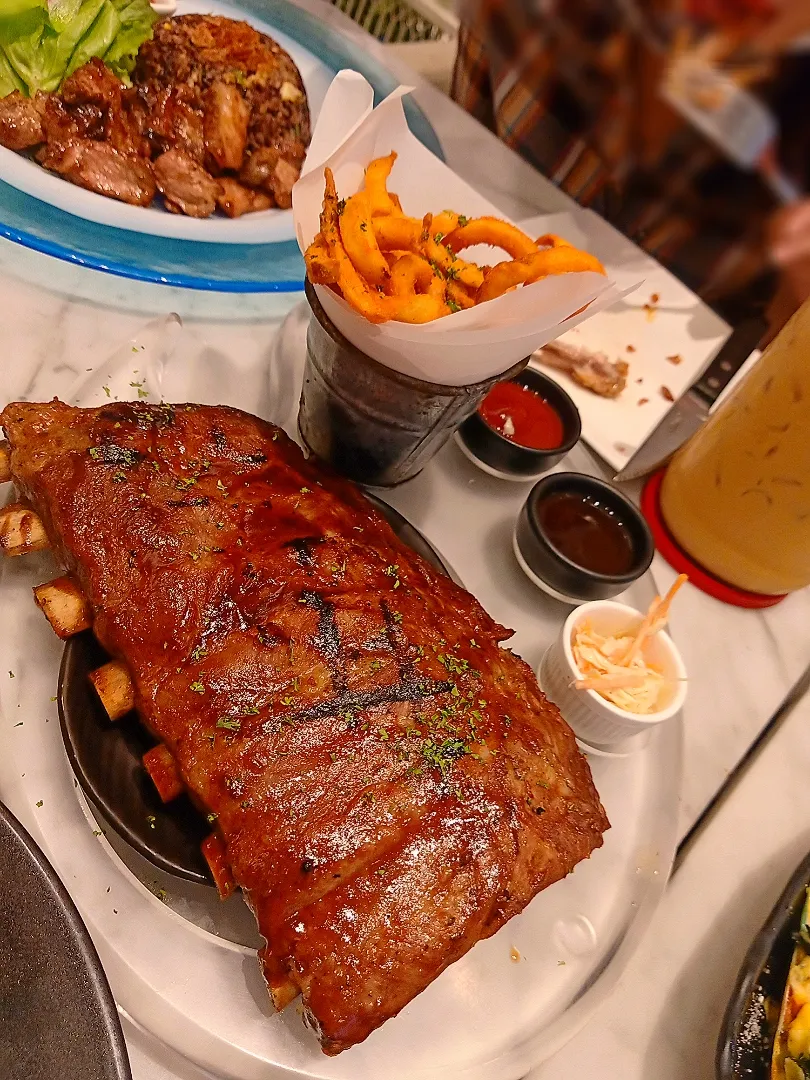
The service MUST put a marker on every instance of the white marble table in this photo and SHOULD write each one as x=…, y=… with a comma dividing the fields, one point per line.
x=59, y=320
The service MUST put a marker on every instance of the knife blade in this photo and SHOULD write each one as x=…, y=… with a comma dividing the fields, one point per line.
x=691, y=410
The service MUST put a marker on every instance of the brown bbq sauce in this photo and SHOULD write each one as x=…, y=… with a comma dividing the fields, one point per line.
x=586, y=532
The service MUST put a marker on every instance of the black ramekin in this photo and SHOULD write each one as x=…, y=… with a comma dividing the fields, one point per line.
x=508, y=460
x=553, y=571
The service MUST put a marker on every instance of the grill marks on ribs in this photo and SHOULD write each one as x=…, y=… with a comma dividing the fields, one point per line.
x=390, y=784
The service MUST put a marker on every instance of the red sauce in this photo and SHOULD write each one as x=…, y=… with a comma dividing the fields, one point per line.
x=522, y=416
x=588, y=532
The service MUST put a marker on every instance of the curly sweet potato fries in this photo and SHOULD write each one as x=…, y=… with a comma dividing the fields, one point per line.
x=390, y=266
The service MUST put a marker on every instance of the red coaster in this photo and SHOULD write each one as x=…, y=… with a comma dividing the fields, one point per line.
x=677, y=557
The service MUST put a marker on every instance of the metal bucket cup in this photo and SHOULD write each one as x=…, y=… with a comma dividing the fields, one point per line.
x=372, y=424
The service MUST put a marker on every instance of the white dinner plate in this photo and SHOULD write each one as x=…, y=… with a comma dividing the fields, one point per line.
x=264, y=227
x=662, y=330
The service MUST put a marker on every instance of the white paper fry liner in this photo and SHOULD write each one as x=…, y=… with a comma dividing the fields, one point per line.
x=469, y=345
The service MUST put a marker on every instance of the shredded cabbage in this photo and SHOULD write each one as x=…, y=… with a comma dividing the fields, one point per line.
x=597, y=656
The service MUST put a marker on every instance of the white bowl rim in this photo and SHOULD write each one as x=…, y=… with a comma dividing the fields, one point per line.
x=596, y=699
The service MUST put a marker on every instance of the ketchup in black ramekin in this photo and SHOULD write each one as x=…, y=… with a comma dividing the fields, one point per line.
x=522, y=428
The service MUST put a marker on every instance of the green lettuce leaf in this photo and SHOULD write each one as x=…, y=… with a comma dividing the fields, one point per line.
x=137, y=19
x=98, y=38
x=42, y=43
x=39, y=54
x=61, y=13
x=9, y=79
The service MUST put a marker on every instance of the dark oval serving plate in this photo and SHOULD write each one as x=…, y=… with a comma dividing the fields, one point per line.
x=107, y=757
x=57, y=1014
x=746, y=1039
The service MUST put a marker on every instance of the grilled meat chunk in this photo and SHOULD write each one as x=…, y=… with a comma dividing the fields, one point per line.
x=185, y=185
x=93, y=89
x=389, y=783
x=266, y=168
x=225, y=125
x=20, y=121
x=93, y=84
x=235, y=199
x=98, y=167
x=167, y=120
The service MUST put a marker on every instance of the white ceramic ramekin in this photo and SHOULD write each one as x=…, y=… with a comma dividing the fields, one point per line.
x=595, y=720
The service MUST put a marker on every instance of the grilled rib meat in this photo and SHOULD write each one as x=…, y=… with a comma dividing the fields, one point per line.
x=593, y=370
x=226, y=66
x=235, y=199
x=390, y=783
x=210, y=88
x=185, y=185
x=20, y=121
x=98, y=167
x=225, y=125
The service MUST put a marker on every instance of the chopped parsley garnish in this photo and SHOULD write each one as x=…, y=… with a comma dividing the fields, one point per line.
x=453, y=663
x=198, y=653
x=110, y=454
x=230, y=723
x=341, y=206
x=454, y=307
x=106, y=389
x=186, y=482
x=392, y=571
x=442, y=755
x=150, y=820
x=40, y=803
x=462, y=220
x=211, y=818
x=197, y=687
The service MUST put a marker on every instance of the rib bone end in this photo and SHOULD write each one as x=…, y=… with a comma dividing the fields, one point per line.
x=5, y=462
x=213, y=848
x=113, y=685
x=162, y=768
x=21, y=531
x=64, y=606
